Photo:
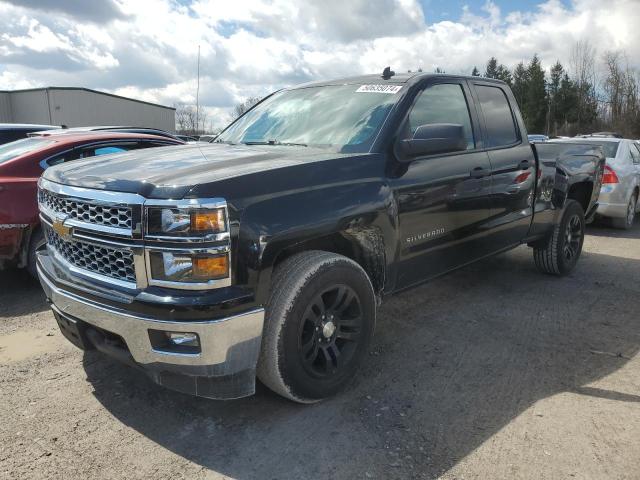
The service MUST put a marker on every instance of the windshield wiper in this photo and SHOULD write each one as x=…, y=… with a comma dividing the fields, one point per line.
x=277, y=142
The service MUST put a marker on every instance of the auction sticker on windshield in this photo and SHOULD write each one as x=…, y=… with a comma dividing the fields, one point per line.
x=379, y=89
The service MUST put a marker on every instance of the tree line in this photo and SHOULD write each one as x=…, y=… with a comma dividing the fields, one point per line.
x=595, y=93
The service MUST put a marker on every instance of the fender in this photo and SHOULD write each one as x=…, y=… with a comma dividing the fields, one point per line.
x=311, y=216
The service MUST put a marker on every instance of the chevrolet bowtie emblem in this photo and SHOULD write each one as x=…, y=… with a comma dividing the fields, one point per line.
x=61, y=229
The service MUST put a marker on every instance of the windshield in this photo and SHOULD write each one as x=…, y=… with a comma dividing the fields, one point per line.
x=345, y=117
x=11, y=150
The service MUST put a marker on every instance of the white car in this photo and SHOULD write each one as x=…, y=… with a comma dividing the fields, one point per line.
x=621, y=182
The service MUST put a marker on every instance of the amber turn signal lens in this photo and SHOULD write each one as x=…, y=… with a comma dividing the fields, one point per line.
x=210, y=268
x=208, y=221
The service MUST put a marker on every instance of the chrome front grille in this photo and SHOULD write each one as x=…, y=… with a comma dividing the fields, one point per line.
x=98, y=235
x=107, y=261
x=87, y=212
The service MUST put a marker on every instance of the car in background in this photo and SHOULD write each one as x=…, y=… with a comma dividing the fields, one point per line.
x=122, y=129
x=620, y=189
x=22, y=162
x=10, y=132
x=533, y=137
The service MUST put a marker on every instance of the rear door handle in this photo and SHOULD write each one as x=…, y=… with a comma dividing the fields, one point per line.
x=480, y=172
x=524, y=165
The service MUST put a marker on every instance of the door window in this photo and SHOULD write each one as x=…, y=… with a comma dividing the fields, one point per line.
x=501, y=127
x=442, y=103
x=108, y=150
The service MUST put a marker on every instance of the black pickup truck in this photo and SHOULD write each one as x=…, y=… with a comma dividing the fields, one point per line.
x=266, y=253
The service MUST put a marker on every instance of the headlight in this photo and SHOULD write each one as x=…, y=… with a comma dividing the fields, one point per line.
x=188, y=267
x=185, y=222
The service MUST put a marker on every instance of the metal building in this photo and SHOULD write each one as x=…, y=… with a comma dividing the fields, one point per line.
x=78, y=107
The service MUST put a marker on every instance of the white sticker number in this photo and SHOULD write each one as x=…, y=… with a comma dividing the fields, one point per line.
x=379, y=89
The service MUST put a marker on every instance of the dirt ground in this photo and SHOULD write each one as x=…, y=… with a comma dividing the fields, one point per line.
x=495, y=371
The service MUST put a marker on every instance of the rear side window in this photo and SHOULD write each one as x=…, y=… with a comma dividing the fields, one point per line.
x=635, y=153
x=610, y=148
x=501, y=128
x=442, y=103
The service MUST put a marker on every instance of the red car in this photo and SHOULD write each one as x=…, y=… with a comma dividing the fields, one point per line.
x=22, y=162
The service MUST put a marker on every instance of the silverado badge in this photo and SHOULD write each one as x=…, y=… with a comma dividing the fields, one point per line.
x=61, y=229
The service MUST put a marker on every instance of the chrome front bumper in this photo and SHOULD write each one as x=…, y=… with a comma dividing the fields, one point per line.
x=229, y=346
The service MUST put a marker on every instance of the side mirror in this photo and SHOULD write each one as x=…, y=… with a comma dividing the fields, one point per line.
x=434, y=138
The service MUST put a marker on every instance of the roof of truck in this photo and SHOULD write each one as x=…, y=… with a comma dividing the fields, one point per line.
x=399, y=78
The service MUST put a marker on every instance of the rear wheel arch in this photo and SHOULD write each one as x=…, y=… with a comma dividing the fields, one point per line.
x=582, y=193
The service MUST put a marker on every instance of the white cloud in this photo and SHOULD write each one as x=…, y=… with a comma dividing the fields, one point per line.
x=148, y=48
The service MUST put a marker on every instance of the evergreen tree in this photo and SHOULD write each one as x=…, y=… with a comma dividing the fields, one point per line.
x=475, y=72
x=555, y=79
x=497, y=71
x=492, y=68
x=519, y=86
x=567, y=104
x=504, y=74
x=535, y=105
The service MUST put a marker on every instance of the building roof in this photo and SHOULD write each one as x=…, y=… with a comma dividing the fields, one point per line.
x=40, y=89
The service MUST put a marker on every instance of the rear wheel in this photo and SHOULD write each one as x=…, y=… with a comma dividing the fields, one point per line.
x=318, y=326
x=560, y=253
x=627, y=222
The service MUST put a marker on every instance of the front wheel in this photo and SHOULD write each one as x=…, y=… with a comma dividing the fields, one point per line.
x=319, y=322
x=560, y=253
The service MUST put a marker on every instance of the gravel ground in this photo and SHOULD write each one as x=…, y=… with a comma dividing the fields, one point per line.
x=495, y=371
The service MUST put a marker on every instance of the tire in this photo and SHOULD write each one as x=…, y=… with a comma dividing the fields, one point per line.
x=560, y=253
x=627, y=222
x=36, y=240
x=306, y=357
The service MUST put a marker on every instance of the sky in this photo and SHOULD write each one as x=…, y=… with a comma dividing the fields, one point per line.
x=147, y=49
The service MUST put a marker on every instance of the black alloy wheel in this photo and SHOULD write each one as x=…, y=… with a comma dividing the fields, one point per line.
x=330, y=330
x=573, y=238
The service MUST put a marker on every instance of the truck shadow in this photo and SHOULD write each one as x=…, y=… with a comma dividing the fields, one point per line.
x=601, y=229
x=20, y=294
x=452, y=363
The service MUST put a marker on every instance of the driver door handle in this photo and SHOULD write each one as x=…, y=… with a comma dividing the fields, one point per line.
x=480, y=172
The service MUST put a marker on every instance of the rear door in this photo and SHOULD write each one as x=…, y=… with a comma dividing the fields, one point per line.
x=513, y=165
x=444, y=199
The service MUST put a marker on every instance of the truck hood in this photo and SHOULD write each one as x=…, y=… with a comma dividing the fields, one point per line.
x=170, y=172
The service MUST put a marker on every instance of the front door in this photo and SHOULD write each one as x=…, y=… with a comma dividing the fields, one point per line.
x=443, y=200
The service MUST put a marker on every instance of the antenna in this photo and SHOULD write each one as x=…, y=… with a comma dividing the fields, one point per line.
x=198, y=96
x=388, y=73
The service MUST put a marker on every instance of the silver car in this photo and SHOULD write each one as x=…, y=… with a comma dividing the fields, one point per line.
x=621, y=182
